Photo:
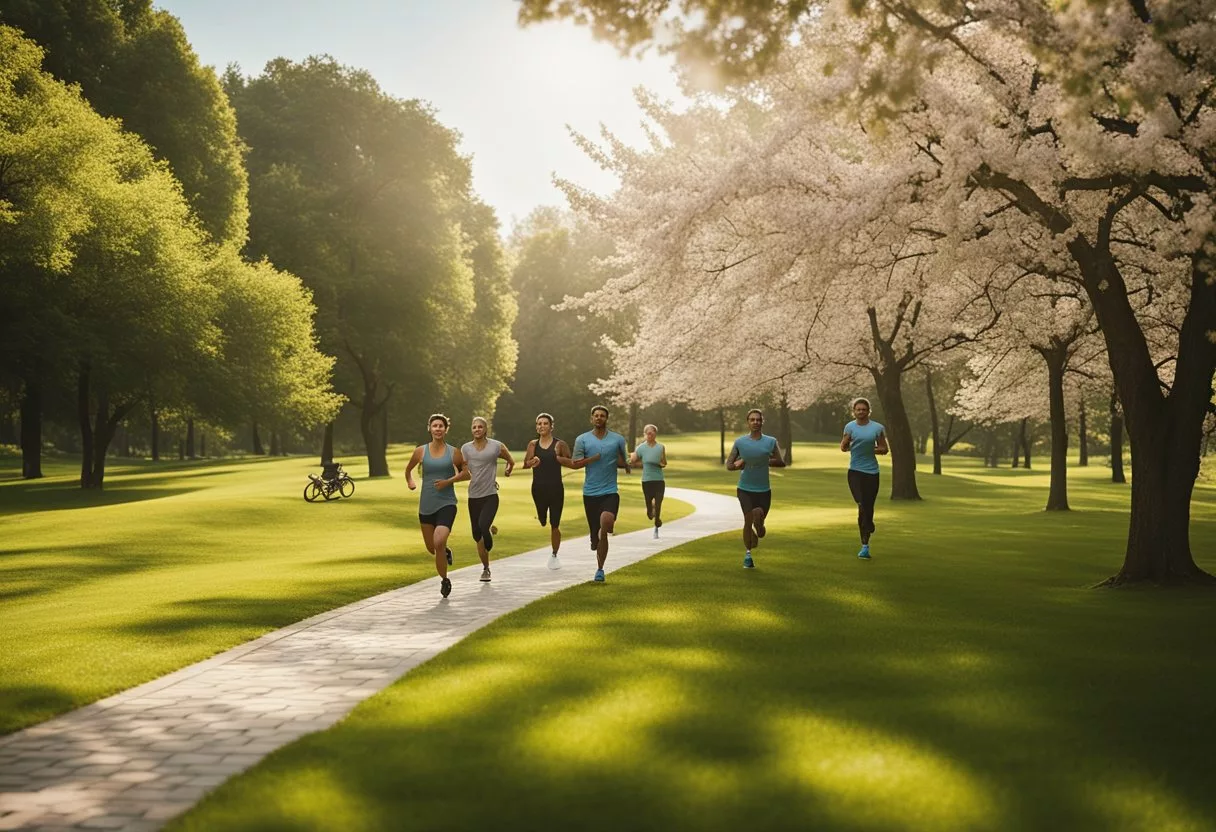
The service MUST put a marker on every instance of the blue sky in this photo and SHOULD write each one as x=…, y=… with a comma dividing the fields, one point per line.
x=509, y=91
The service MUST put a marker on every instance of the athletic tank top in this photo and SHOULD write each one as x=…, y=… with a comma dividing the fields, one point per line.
x=549, y=472
x=436, y=468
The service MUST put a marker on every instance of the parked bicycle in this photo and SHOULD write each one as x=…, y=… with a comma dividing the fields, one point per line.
x=331, y=484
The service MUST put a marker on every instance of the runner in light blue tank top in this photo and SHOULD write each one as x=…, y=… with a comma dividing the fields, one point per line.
x=752, y=456
x=653, y=457
x=437, y=500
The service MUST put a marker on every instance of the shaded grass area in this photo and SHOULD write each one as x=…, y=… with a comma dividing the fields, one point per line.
x=967, y=678
x=100, y=591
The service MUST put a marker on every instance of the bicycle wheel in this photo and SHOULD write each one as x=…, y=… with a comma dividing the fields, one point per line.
x=312, y=491
x=347, y=487
x=330, y=491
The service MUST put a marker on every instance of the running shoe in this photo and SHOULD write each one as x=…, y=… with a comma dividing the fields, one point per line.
x=864, y=554
x=554, y=563
x=594, y=546
x=748, y=563
x=599, y=576
x=445, y=587
x=658, y=523
x=493, y=529
x=448, y=552
x=760, y=530
x=656, y=532
x=485, y=574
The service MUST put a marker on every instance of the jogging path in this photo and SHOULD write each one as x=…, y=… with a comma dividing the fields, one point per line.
x=145, y=755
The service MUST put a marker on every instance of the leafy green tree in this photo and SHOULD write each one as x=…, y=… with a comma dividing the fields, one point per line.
x=134, y=62
x=363, y=196
x=53, y=154
x=269, y=367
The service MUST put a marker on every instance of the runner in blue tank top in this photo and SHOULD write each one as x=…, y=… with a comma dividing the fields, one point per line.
x=437, y=502
x=863, y=439
x=652, y=456
x=752, y=456
x=600, y=451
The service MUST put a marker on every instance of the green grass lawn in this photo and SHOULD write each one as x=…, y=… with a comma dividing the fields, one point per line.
x=177, y=561
x=967, y=678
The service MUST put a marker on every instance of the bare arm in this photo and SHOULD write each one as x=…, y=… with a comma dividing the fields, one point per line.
x=503, y=453
x=622, y=461
x=634, y=459
x=531, y=460
x=777, y=459
x=845, y=442
x=562, y=451
x=584, y=462
x=880, y=444
x=663, y=457
x=733, y=462
x=415, y=458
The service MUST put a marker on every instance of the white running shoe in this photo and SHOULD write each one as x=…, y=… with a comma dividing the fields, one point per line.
x=554, y=563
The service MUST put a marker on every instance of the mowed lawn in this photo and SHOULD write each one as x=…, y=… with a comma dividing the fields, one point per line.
x=965, y=679
x=177, y=561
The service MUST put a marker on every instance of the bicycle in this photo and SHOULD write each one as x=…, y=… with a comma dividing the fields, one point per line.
x=331, y=484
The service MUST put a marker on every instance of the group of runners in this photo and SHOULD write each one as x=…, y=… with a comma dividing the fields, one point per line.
x=600, y=453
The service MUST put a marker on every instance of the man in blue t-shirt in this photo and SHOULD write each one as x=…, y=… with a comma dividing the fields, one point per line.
x=863, y=439
x=600, y=451
x=752, y=455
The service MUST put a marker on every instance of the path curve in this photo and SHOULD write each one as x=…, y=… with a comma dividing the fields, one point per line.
x=145, y=755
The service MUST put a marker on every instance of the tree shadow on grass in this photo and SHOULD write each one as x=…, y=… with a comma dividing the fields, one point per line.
x=21, y=705
x=30, y=571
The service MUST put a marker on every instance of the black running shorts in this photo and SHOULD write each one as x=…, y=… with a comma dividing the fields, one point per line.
x=445, y=516
x=751, y=500
x=549, y=500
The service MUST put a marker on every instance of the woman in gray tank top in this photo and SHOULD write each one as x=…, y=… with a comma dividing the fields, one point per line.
x=480, y=469
x=437, y=501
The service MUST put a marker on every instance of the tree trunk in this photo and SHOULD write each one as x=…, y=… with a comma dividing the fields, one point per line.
x=384, y=426
x=31, y=430
x=1019, y=431
x=96, y=436
x=1164, y=430
x=190, y=438
x=786, y=437
x=327, y=444
x=257, y=442
x=181, y=447
x=721, y=436
x=899, y=432
x=86, y=427
x=1026, y=444
x=1057, y=494
x=1082, y=436
x=377, y=460
x=632, y=439
x=934, y=428
x=1116, y=441
x=202, y=444
x=155, y=419
x=274, y=443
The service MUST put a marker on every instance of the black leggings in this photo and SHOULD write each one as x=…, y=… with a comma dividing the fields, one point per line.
x=653, y=491
x=864, y=488
x=481, y=516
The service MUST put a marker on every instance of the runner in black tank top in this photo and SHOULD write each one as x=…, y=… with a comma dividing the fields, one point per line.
x=548, y=492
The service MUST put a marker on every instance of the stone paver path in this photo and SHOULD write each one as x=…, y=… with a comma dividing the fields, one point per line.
x=135, y=760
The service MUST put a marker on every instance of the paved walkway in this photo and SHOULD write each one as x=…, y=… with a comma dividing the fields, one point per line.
x=135, y=760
